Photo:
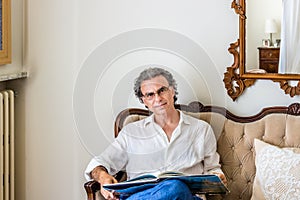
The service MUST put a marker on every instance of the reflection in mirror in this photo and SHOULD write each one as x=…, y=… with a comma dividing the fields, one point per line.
x=259, y=32
x=263, y=22
x=290, y=42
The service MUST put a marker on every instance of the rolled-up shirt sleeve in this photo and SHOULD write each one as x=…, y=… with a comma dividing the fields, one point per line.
x=114, y=158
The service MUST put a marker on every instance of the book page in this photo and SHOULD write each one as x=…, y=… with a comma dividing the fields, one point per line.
x=170, y=174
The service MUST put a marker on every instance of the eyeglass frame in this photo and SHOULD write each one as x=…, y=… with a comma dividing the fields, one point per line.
x=151, y=95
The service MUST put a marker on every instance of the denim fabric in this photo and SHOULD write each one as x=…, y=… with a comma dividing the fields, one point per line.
x=135, y=189
x=166, y=190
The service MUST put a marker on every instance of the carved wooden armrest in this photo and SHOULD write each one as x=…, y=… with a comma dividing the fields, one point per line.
x=91, y=188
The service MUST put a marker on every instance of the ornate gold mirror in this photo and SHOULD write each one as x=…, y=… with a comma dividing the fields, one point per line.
x=239, y=76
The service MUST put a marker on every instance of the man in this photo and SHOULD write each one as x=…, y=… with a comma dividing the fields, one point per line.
x=168, y=140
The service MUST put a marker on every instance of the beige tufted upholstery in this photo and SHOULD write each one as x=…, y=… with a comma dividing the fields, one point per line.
x=235, y=136
x=235, y=147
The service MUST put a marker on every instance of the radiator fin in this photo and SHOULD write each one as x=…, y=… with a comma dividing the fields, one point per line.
x=7, y=169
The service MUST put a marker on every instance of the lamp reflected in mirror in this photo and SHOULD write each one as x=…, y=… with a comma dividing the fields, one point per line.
x=270, y=28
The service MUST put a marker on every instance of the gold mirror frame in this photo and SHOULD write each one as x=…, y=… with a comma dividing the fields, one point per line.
x=236, y=80
x=5, y=20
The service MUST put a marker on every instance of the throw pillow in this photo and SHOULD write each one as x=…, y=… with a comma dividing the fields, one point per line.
x=277, y=172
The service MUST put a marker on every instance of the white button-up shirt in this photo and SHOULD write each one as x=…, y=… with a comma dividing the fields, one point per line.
x=142, y=147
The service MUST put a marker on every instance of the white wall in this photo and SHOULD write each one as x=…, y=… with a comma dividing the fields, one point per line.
x=75, y=48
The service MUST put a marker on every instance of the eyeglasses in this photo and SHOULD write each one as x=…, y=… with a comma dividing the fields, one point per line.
x=160, y=92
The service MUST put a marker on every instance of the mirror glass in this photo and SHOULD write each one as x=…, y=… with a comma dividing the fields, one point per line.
x=264, y=31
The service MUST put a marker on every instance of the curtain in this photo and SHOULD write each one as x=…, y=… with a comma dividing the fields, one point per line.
x=289, y=61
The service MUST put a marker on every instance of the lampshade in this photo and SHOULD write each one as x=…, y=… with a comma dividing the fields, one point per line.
x=270, y=26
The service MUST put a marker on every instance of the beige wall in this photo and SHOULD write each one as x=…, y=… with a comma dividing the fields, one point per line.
x=64, y=38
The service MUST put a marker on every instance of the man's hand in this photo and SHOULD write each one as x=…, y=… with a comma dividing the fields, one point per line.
x=221, y=176
x=100, y=174
x=105, y=178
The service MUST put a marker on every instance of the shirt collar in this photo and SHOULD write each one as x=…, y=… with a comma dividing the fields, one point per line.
x=183, y=119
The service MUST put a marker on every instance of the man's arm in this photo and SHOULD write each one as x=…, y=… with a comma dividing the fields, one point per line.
x=114, y=158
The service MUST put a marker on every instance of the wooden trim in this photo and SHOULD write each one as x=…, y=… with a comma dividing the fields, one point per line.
x=91, y=188
x=293, y=109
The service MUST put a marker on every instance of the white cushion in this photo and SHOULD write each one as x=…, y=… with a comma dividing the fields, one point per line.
x=277, y=172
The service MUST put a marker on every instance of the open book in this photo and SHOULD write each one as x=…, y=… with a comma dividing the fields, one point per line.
x=198, y=184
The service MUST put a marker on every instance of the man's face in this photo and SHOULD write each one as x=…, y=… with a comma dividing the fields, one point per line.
x=158, y=96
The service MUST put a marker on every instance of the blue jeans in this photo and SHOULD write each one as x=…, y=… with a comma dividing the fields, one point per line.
x=166, y=190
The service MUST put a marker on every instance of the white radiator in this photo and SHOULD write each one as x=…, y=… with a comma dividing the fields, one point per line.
x=7, y=144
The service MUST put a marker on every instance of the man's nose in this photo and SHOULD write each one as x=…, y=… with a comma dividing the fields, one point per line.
x=157, y=97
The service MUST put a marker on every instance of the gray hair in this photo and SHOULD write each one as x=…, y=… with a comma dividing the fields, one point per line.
x=150, y=73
